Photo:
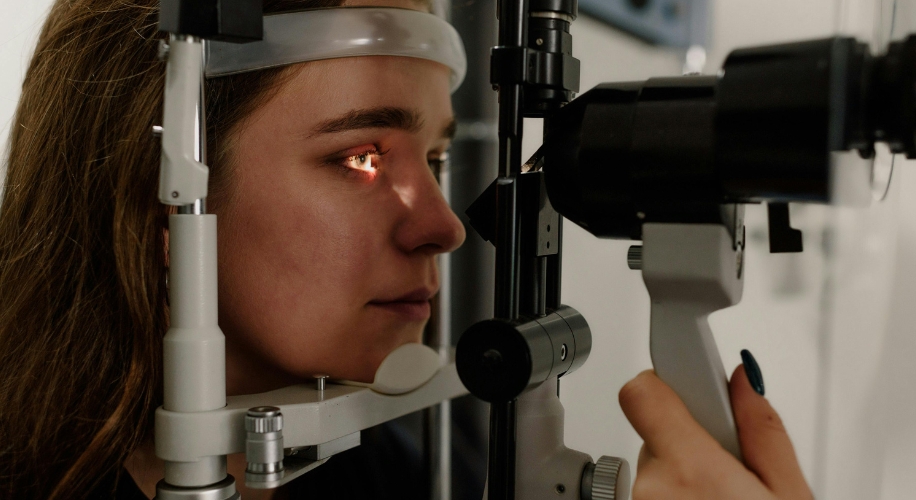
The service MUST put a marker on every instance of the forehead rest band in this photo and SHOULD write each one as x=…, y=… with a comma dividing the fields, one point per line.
x=316, y=34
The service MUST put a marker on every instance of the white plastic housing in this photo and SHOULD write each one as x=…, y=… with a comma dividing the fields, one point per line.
x=545, y=468
x=182, y=179
x=690, y=271
x=194, y=352
x=194, y=348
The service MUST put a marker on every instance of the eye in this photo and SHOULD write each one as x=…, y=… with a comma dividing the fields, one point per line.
x=437, y=163
x=364, y=161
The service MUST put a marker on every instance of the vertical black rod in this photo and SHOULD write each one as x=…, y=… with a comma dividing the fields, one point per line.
x=507, y=251
x=513, y=19
x=553, y=280
x=501, y=464
x=555, y=271
x=539, y=281
x=513, y=26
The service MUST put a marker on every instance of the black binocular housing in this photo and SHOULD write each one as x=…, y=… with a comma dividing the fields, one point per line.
x=763, y=130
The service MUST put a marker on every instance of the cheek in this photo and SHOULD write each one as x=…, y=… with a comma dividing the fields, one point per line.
x=297, y=267
x=327, y=242
x=311, y=245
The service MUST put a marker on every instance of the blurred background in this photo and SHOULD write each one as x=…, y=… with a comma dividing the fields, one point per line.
x=832, y=328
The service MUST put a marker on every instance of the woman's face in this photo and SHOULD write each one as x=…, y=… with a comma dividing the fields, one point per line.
x=329, y=235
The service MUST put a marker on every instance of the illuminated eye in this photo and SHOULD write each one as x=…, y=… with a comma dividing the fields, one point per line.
x=361, y=162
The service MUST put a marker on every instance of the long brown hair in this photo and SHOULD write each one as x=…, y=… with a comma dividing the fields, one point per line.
x=83, y=302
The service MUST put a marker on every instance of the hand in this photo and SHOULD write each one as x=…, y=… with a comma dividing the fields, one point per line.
x=680, y=460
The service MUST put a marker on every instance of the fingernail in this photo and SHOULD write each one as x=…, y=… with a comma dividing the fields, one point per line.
x=752, y=369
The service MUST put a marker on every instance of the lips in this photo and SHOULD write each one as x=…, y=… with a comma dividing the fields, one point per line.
x=412, y=306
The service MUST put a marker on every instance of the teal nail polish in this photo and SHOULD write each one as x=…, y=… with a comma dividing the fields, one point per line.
x=752, y=369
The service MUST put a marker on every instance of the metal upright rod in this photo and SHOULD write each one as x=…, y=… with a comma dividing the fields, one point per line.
x=199, y=207
x=512, y=27
x=439, y=418
x=513, y=20
x=507, y=251
x=554, y=263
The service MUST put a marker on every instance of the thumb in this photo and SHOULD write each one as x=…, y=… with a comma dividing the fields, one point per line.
x=766, y=447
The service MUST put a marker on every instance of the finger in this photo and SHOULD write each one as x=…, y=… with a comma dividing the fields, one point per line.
x=660, y=417
x=722, y=477
x=765, y=445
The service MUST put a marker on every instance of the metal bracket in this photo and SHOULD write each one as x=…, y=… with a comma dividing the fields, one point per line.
x=229, y=20
x=293, y=467
x=540, y=233
x=326, y=450
x=783, y=238
x=310, y=417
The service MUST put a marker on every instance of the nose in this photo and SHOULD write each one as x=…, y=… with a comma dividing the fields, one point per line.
x=428, y=225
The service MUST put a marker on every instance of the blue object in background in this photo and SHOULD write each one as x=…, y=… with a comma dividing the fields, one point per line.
x=674, y=23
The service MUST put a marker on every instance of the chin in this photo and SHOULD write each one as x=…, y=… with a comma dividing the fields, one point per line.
x=358, y=358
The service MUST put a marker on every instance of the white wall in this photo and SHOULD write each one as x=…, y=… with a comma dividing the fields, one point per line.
x=19, y=26
x=831, y=328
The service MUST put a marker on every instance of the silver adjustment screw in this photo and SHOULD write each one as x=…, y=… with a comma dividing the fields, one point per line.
x=608, y=479
x=321, y=381
x=634, y=257
x=264, y=443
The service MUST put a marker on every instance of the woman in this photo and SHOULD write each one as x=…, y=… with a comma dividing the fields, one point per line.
x=329, y=224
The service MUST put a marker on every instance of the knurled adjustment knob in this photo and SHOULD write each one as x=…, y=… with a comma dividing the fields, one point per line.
x=263, y=419
x=610, y=479
x=264, y=441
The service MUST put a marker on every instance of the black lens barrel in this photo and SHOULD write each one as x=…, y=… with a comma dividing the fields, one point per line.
x=763, y=130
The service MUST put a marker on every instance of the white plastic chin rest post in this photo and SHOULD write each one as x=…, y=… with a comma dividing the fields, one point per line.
x=691, y=271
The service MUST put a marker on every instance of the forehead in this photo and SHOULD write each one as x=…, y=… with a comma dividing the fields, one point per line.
x=320, y=89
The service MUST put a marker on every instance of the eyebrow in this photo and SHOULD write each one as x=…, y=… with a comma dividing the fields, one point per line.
x=380, y=117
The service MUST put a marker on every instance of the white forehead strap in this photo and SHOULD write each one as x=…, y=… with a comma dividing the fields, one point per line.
x=312, y=35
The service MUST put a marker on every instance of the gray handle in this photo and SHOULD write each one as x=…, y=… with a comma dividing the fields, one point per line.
x=690, y=271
